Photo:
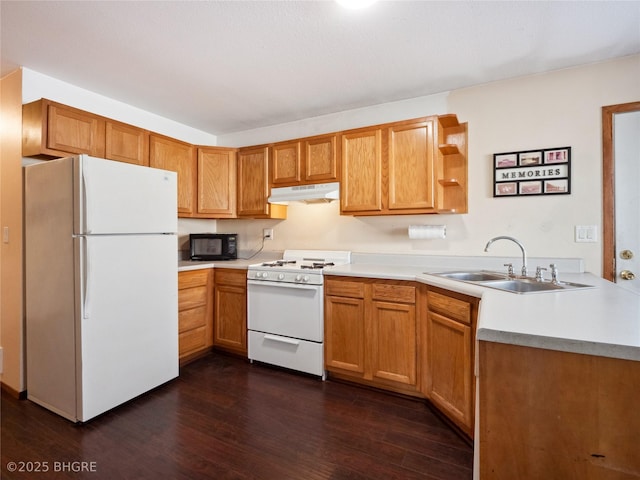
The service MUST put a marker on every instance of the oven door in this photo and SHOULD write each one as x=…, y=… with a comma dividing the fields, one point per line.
x=288, y=309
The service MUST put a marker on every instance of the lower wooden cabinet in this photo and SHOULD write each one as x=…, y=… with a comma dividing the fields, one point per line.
x=195, y=313
x=371, y=332
x=405, y=337
x=449, y=355
x=230, y=308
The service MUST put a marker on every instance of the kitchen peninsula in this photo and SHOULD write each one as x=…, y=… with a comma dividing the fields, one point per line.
x=557, y=373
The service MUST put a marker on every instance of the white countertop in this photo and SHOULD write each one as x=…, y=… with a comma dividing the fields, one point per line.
x=602, y=321
x=241, y=263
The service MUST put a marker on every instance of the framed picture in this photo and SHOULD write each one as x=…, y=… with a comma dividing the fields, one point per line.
x=546, y=171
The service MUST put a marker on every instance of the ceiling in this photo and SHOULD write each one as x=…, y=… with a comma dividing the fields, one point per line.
x=229, y=66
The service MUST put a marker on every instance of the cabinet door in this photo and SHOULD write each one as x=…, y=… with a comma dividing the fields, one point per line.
x=126, y=143
x=344, y=334
x=320, y=159
x=230, y=326
x=169, y=154
x=217, y=182
x=361, y=171
x=411, y=156
x=394, y=342
x=253, y=187
x=74, y=131
x=449, y=368
x=285, y=164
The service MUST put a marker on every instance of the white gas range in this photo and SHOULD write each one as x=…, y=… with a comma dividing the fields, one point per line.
x=285, y=309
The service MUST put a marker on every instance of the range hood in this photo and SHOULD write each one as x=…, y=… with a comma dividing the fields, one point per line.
x=316, y=193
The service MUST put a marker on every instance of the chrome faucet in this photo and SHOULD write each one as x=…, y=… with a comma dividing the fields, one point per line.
x=524, y=253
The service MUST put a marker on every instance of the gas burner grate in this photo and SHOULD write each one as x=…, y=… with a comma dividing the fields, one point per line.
x=316, y=265
x=279, y=263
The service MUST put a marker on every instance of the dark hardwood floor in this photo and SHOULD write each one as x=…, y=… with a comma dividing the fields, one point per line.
x=224, y=418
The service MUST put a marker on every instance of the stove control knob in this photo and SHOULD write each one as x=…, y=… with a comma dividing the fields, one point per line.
x=298, y=278
x=281, y=276
x=305, y=278
x=261, y=274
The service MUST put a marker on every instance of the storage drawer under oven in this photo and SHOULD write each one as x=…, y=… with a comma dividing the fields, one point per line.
x=292, y=353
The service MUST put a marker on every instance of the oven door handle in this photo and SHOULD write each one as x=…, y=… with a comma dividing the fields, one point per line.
x=284, y=285
x=288, y=341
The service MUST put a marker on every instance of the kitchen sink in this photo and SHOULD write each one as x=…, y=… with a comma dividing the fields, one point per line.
x=478, y=276
x=502, y=281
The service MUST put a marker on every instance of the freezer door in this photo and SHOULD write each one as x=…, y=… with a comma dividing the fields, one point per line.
x=114, y=198
x=128, y=318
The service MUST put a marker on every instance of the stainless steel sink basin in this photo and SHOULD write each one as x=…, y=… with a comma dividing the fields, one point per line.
x=503, y=282
x=479, y=276
x=523, y=286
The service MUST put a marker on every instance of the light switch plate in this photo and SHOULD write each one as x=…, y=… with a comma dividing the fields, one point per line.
x=586, y=233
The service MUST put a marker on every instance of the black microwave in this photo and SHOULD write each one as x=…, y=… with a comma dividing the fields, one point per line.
x=213, y=246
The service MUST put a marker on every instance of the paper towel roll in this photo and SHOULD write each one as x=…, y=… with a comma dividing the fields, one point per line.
x=427, y=232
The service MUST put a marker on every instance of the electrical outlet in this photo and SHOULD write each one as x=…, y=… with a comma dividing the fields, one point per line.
x=586, y=233
x=267, y=233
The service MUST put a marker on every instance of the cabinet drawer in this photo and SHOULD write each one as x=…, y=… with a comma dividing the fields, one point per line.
x=396, y=293
x=192, y=318
x=449, y=307
x=192, y=340
x=193, y=278
x=192, y=297
x=231, y=277
x=340, y=288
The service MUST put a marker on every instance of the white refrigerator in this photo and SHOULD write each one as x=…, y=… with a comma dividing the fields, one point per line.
x=101, y=286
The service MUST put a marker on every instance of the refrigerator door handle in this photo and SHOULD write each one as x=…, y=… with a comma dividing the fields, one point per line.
x=86, y=274
x=86, y=203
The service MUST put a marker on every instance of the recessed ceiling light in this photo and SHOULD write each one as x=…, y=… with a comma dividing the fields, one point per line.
x=356, y=4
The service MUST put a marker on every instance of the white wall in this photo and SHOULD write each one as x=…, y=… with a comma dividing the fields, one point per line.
x=556, y=109
x=36, y=85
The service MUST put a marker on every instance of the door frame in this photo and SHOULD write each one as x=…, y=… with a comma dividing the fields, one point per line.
x=608, y=188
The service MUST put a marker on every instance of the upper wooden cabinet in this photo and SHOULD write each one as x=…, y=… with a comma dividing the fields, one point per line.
x=361, y=158
x=321, y=159
x=253, y=185
x=388, y=169
x=126, y=143
x=304, y=161
x=286, y=163
x=170, y=154
x=50, y=130
x=216, y=184
x=54, y=130
x=410, y=164
x=411, y=167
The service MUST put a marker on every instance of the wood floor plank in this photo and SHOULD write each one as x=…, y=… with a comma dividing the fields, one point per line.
x=224, y=418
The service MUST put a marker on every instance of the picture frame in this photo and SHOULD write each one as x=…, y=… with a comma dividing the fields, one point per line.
x=543, y=171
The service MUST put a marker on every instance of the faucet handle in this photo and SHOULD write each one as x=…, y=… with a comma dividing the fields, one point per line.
x=510, y=268
x=554, y=273
x=539, y=273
